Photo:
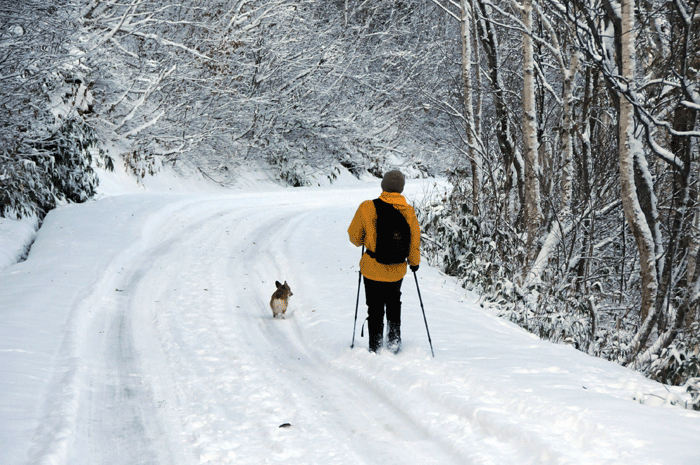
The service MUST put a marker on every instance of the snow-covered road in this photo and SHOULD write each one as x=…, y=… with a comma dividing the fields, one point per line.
x=139, y=331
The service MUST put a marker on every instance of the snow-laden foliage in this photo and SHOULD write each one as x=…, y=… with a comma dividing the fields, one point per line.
x=620, y=283
x=481, y=253
x=487, y=256
x=570, y=303
x=300, y=87
x=47, y=149
x=679, y=364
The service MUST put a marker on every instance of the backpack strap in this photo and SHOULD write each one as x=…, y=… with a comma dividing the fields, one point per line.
x=376, y=202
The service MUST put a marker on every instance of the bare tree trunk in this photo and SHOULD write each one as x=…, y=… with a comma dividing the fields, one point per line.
x=589, y=124
x=628, y=146
x=567, y=129
x=477, y=74
x=479, y=101
x=533, y=211
x=489, y=41
x=693, y=271
x=468, y=108
x=680, y=234
x=563, y=220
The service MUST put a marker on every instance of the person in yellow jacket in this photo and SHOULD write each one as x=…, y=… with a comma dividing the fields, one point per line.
x=383, y=282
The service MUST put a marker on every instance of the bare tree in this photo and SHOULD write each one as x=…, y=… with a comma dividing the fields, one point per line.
x=617, y=266
x=630, y=146
x=472, y=131
x=533, y=214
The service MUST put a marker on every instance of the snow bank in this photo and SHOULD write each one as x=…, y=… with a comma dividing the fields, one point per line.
x=15, y=238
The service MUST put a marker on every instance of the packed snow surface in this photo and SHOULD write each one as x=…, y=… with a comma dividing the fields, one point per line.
x=139, y=331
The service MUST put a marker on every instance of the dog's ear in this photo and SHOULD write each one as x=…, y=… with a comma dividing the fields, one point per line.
x=277, y=283
x=286, y=285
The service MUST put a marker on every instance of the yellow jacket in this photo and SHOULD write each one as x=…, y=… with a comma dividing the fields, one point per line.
x=363, y=231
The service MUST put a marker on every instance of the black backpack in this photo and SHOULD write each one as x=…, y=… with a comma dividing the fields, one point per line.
x=393, y=235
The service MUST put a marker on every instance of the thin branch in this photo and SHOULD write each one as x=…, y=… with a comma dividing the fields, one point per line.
x=447, y=11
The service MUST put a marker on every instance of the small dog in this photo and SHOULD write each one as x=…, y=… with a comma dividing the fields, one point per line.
x=280, y=299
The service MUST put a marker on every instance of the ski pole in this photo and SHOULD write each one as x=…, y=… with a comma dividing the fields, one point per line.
x=424, y=318
x=357, y=303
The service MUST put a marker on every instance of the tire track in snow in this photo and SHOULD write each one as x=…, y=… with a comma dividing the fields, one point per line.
x=118, y=410
x=186, y=365
x=259, y=374
x=173, y=364
x=398, y=425
x=472, y=420
x=194, y=369
x=55, y=435
x=79, y=369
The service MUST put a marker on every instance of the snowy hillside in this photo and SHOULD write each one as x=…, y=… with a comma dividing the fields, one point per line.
x=138, y=331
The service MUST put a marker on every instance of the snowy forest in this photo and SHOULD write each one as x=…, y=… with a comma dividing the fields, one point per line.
x=567, y=129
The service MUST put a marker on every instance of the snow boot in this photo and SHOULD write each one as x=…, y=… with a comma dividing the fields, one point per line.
x=376, y=335
x=394, y=338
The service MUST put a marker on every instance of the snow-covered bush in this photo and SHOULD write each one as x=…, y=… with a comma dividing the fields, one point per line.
x=290, y=171
x=47, y=147
x=72, y=150
x=489, y=257
x=140, y=160
x=679, y=363
x=482, y=254
x=57, y=167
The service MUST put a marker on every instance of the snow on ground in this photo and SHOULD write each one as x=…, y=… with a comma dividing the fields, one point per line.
x=15, y=238
x=138, y=331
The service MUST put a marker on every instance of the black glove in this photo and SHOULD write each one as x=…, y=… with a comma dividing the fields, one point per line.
x=413, y=268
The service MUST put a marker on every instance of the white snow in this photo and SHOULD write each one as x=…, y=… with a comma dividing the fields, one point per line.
x=139, y=331
x=15, y=238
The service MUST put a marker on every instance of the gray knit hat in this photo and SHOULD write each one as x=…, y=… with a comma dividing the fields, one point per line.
x=393, y=181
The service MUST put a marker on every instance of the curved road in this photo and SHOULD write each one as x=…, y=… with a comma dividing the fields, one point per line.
x=168, y=353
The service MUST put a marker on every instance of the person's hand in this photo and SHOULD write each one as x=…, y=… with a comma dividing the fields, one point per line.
x=414, y=268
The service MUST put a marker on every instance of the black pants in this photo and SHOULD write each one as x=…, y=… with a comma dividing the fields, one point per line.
x=380, y=296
